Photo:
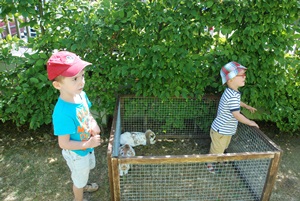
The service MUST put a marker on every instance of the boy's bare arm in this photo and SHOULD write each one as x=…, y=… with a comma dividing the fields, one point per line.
x=241, y=118
x=65, y=142
x=248, y=107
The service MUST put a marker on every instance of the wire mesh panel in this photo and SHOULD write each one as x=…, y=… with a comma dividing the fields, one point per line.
x=177, y=117
x=246, y=172
x=250, y=139
x=192, y=182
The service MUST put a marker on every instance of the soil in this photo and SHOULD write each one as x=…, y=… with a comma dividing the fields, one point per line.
x=174, y=147
x=13, y=142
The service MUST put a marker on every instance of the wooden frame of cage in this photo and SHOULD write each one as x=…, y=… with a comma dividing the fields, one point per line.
x=113, y=162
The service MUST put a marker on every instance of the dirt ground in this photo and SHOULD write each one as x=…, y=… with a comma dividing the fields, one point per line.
x=287, y=186
x=31, y=166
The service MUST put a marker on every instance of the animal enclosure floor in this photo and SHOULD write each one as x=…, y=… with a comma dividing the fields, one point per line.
x=174, y=147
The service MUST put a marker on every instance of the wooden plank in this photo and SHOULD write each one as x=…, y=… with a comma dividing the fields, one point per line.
x=167, y=159
x=109, y=162
x=271, y=177
x=110, y=176
x=116, y=179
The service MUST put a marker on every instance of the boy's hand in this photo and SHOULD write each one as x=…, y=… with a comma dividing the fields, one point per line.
x=251, y=109
x=252, y=123
x=94, y=141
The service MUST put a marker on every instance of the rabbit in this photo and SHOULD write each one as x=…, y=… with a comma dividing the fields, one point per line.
x=125, y=151
x=138, y=138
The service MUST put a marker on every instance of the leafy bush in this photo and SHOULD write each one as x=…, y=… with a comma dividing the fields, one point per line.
x=161, y=49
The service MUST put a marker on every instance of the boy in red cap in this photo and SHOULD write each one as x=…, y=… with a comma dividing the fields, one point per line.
x=225, y=124
x=78, y=132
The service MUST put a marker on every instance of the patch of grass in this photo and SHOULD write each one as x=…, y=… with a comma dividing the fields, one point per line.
x=32, y=167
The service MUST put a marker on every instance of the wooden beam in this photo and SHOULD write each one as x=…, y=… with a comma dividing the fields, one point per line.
x=116, y=179
x=168, y=159
x=271, y=177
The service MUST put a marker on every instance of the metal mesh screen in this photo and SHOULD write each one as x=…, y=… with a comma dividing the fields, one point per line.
x=192, y=182
x=242, y=176
x=177, y=117
x=248, y=139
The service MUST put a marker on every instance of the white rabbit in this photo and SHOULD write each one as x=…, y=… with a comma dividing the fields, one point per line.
x=125, y=151
x=138, y=138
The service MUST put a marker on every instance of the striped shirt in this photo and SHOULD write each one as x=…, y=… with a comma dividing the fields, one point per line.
x=225, y=123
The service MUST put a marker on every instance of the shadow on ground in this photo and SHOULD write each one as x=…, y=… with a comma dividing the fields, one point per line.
x=32, y=168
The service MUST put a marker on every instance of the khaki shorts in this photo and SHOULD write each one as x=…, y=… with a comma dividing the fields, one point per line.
x=80, y=166
x=218, y=142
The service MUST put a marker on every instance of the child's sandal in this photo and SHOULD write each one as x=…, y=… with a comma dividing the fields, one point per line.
x=211, y=169
x=91, y=187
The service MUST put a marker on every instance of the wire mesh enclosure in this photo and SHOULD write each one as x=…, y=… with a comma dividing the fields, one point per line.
x=174, y=168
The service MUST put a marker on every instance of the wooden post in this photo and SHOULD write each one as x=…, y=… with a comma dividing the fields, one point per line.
x=116, y=179
x=271, y=178
x=110, y=176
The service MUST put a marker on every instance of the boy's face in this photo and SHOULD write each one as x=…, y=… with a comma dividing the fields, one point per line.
x=240, y=78
x=71, y=86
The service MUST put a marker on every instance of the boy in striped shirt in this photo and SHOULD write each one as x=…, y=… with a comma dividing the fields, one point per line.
x=225, y=124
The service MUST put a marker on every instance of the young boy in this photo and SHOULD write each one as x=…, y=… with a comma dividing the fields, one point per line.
x=78, y=132
x=225, y=124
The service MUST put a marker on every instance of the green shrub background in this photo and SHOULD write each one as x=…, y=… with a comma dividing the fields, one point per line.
x=160, y=48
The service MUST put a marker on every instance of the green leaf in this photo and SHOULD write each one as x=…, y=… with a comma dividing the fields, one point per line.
x=40, y=62
x=209, y=4
x=34, y=80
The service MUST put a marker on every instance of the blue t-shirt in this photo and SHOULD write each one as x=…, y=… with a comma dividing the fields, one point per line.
x=73, y=119
x=225, y=123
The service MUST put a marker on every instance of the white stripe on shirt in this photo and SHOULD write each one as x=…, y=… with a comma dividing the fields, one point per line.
x=225, y=123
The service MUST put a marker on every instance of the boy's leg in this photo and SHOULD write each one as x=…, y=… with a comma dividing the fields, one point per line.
x=218, y=145
x=80, y=169
x=91, y=187
x=78, y=193
x=218, y=142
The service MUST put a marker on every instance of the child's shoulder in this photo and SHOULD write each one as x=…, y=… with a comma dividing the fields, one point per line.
x=62, y=106
x=230, y=94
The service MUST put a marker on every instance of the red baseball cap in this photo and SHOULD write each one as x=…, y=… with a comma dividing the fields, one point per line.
x=66, y=64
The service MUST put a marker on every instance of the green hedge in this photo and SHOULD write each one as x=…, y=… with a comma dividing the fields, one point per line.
x=160, y=48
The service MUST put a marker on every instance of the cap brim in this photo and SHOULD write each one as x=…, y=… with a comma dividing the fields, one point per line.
x=75, y=69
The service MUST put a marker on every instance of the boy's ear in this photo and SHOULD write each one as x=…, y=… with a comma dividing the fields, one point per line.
x=56, y=85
